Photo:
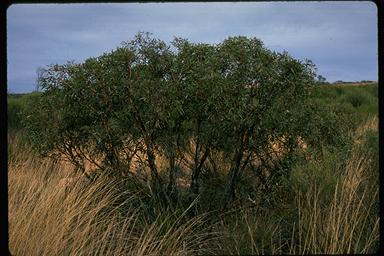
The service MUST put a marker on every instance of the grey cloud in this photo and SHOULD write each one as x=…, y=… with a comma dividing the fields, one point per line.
x=337, y=36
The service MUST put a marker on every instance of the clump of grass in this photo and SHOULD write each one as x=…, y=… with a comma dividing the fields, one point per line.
x=54, y=212
x=357, y=99
x=348, y=220
x=346, y=224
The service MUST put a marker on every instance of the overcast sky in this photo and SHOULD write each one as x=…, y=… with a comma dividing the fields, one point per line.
x=339, y=37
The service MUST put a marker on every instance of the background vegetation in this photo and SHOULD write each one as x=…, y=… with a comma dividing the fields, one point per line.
x=163, y=160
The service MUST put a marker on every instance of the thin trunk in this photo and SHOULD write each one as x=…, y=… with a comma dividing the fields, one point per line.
x=152, y=165
x=246, y=161
x=129, y=158
x=172, y=195
x=233, y=174
x=112, y=161
x=157, y=183
x=259, y=173
x=212, y=164
x=172, y=178
x=193, y=185
x=150, y=152
x=78, y=162
x=196, y=172
x=196, y=157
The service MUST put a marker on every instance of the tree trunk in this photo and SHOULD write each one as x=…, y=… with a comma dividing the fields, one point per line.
x=196, y=172
x=152, y=165
x=233, y=173
x=172, y=178
x=157, y=183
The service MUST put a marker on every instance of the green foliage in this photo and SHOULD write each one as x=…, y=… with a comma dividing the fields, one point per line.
x=17, y=103
x=363, y=99
x=356, y=100
x=370, y=144
x=236, y=97
x=14, y=107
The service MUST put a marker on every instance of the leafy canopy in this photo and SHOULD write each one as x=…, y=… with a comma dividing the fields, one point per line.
x=149, y=98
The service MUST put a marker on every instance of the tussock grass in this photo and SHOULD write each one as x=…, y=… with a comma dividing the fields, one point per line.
x=346, y=224
x=53, y=212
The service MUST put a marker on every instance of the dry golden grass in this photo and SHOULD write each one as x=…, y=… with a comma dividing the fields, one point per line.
x=53, y=213
x=346, y=224
x=372, y=124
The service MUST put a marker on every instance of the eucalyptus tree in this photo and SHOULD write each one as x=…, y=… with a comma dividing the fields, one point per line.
x=237, y=97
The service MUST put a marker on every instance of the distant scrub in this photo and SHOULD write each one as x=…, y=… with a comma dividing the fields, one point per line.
x=358, y=102
x=17, y=104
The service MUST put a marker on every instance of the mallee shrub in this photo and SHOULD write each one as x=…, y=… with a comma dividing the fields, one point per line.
x=147, y=98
